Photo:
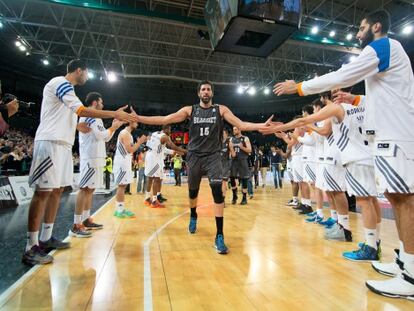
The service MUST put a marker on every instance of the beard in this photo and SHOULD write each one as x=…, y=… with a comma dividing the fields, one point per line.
x=368, y=39
x=206, y=99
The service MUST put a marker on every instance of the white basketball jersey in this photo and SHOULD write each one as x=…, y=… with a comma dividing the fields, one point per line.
x=155, y=145
x=350, y=137
x=332, y=155
x=122, y=156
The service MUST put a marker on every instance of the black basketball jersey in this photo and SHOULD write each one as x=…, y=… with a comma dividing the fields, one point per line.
x=225, y=150
x=206, y=130
x=240, y=154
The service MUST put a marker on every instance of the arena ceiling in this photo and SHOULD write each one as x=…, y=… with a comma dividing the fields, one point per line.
x=154, y=40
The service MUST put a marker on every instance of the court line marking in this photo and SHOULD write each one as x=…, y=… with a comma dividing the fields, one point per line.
x=148, y=305
x=9, y=292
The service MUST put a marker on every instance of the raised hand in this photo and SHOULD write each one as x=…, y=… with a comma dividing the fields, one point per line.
x=287, y=87
x=122, y=115
x=340, y=97
x=272, y=128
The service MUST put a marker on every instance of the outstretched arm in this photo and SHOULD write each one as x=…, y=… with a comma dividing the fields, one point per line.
x=243, y=126
x=167, y=140
x=323, y=114
x=176, y=117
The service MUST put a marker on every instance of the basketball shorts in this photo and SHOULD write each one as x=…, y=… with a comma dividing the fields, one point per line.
x=52, y=165
x=154, y=167
x=320, y=179
x=333, y=177
x=91, y=176
x=199, y=165
x=360, y=180
x=309, y=172
x=394, y=167
x=123, y=174
x=297, y=166
x=240, y=169
x=226, y=164
x=289, y=172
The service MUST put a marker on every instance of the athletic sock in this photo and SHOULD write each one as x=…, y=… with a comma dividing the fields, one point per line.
x=295, y=199
x=319, y=211
x=371, y=237
x=32, y=239
x=334, y=214
x=147, y=195
x=78, y=219
x=154, y=198
x=46, y=232
x=193, y=211
x=219, y=225
x=408, y=263
x=158, y=194
x=119, y=207
x=344, y=221
x=307, y=202
x=86, y=214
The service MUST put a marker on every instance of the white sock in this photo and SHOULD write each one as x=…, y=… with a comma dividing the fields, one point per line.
x=295, y=199
x=77, y=219
x=307, y=202
x=378, y=232
x=401, y=256
x=371, y=237
x=319, y=211
x=334, y=214
x=154, y=198
x=86, y=214
x=409, y=264
x=32, y=239
x=302, y=200
x=119, y=206
x=46, y=232
x=344, y=221
x=147, y=195
x=158, y=193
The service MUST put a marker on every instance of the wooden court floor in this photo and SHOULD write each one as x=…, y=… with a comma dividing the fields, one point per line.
x=276, y=262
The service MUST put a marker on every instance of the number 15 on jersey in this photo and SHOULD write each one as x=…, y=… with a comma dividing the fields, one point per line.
x=204, y=131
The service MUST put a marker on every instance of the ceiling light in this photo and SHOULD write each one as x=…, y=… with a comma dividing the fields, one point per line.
x=111, y=76
x=266, y=91
x=315, y=30
x=18, y=43
x=91, y=75
x=240, y=90
x=332, y=33
x=407, y=30
x=251, y=90
x=45, y=62
x=22, y=48
x=1, y=24
x=349, y=37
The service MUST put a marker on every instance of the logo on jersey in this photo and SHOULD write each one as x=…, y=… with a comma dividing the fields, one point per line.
x=383, y=146
x=197, y=112
x=214, y=109
x=198, y=120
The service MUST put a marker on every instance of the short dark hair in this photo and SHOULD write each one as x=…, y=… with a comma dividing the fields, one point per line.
x=327, y=95
x=75, y=64
x=317, y=102
x=166, y=126
x=91, y=97
x=308, y=109
x=205, y=82
x=379, y=16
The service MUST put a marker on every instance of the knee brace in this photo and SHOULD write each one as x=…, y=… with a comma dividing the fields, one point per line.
x=217, y=193
x=244, y=183
x=193, y=193
x=233, y=182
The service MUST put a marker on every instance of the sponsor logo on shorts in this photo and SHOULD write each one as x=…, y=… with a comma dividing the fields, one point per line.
x=383, y=146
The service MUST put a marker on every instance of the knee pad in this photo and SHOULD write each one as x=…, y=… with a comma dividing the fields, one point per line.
x=217, y=193
x=244, y=183
x=233, y=182
x=193, y=193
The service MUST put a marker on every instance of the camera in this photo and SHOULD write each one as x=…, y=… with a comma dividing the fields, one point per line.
x=7, y=98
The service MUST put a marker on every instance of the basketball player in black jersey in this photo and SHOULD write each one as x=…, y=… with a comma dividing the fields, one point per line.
x=227, y=154
x=206, y=127
x=240, y=165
